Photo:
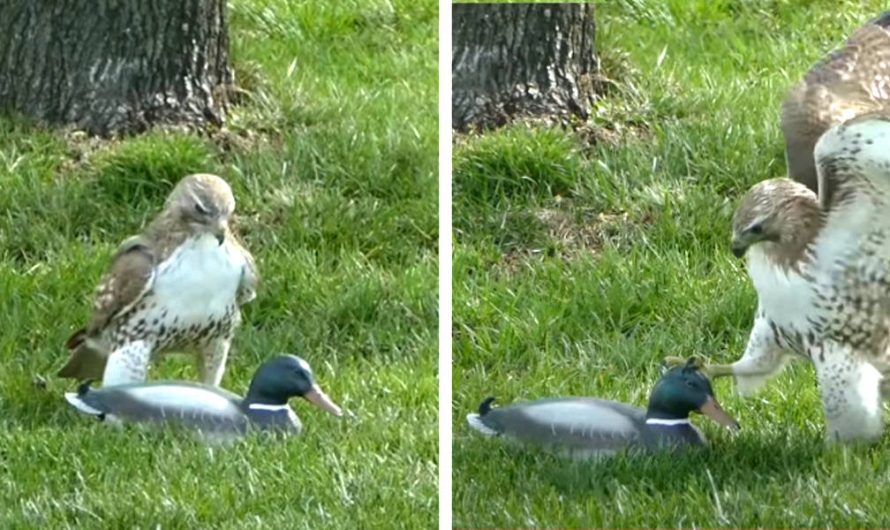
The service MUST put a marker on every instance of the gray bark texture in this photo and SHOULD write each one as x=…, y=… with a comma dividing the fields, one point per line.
x=114, y=67
x=512, y=60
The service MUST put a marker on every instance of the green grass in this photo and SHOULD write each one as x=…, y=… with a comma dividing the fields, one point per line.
x=580, y=264
x=333, y=160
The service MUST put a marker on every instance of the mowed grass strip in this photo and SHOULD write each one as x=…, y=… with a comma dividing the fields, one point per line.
x=332, y=156
x=583, y=258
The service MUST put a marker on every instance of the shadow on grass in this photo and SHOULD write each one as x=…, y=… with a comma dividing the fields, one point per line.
x=731, y=462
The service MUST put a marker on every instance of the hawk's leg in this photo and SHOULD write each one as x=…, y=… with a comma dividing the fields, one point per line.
x=763, y=358
x=127, y=364
x=711, y=370
x=851, y=395
x=750, y=372
x=212, y=361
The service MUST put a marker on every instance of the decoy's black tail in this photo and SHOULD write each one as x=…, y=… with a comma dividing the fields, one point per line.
x=84, y=387
x=485, y=406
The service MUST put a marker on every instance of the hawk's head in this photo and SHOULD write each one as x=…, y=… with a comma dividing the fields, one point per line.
x=775, y=210
x=204, y=203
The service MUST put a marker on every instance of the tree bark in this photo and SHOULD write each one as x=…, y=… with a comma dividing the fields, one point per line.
x=114, y=66
x=511, y=60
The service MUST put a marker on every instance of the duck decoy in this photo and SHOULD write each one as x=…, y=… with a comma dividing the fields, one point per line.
x=208, y=409
x=584, y=427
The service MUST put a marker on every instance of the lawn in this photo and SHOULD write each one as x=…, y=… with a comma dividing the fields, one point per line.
x=332, y=157
x=583, y=258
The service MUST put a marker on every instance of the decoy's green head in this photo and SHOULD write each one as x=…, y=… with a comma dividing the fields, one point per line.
x=684, y=389
x=283, y=377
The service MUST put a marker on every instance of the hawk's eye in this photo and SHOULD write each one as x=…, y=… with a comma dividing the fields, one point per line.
x=201, y=210
x=756, y=229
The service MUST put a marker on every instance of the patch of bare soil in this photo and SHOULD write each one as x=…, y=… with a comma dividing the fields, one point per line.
x=571, y=232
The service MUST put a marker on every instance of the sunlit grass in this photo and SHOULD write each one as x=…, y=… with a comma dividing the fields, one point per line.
x=333, y=160
x=579, y=265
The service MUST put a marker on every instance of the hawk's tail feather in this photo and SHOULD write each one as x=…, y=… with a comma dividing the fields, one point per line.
x=76, y=339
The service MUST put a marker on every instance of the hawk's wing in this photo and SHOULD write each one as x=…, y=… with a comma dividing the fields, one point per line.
x=250, y=278
x=130, y=276
x=853, y=161
x=852, y=249
x=850, y=81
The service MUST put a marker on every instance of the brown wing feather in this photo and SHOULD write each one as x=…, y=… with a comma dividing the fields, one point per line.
x=128, y=279
x=251, y=278
x=850, y=81
x=130, y=276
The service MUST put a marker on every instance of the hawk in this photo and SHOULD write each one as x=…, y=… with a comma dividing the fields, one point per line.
x=821, y=269
x=177, y=286
x=849, y=82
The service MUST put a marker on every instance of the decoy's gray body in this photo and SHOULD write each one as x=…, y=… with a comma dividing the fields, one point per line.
x=211, y=410
x=584, y=427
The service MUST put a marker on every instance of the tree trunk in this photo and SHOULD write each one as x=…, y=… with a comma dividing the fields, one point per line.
x=512, y=60
x=114, y=66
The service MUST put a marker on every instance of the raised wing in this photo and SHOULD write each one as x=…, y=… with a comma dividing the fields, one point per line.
x=852, y=251
x=850, y=81
x=853, y=161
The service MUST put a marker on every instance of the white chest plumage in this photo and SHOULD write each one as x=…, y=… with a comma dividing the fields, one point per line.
x=199, y=280
x=192, y=301
x=785, y=296
x=192, y=306
x=834, y=294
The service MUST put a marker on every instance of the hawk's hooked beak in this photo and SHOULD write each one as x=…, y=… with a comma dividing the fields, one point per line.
x=739, y=248
x=219, y=230
x=741, y=242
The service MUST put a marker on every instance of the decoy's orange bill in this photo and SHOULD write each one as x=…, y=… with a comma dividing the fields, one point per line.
x=321, y=400
x=713, y=410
